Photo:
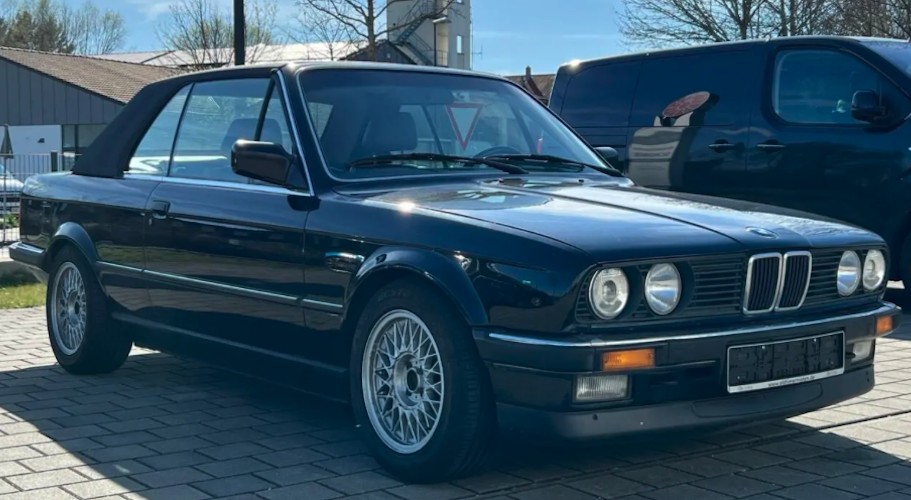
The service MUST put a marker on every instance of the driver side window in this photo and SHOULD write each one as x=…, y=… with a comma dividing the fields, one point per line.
x=817, y=86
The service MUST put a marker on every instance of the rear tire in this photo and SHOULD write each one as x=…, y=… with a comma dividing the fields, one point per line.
x=80, y=329
x=420, y=392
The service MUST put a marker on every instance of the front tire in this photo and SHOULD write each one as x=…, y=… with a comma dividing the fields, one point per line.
x=905, y=264
x=79, y=326
x=421, y=395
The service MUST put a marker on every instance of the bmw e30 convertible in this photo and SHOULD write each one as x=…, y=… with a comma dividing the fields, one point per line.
x=442, y=251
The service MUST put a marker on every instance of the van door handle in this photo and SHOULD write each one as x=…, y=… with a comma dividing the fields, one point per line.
x=159, y=209
x=721, y=146
x=770, y=147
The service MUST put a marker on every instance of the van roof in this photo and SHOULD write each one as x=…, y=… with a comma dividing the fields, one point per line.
x=733, y=44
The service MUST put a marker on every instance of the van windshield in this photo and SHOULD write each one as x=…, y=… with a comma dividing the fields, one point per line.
x=431, y=123
x=897, y=52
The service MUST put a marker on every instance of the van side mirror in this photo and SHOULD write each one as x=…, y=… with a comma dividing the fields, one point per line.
x=608, y=153
x=263, y=161
x=866, y=106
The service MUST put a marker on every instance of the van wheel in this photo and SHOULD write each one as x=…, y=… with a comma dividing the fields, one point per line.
x=81, y=332
x=420, y=393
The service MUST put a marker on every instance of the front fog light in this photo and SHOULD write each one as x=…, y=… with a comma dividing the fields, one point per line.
x=861, y=350
x=591, y=388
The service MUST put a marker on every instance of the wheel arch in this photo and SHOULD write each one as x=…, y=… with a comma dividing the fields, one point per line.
x=70, y=233
x=442, y=272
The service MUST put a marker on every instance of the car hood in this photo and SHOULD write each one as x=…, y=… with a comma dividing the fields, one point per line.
x=614, y=220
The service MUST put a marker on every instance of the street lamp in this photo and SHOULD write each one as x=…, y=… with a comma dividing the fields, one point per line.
x=240, y=44
x=436, y=21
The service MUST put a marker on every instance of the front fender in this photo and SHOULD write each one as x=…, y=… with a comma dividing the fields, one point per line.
x=444, y=271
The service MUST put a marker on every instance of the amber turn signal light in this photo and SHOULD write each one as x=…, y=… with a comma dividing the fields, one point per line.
x=627, y=360
x=884, y=325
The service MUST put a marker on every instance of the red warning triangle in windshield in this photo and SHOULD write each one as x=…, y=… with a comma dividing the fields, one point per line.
x=464, y=117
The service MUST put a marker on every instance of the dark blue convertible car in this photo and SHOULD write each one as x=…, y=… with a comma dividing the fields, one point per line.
x=442, y=251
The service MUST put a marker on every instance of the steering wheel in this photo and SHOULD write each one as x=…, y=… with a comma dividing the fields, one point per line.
x=498, y=150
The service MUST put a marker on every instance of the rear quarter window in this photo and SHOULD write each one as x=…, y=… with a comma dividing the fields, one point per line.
x=710, y=88
x=601, y=96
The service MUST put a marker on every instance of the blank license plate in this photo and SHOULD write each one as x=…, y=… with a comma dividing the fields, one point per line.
x=775, y=364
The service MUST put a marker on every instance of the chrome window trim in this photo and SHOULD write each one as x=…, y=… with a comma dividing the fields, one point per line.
x=597, y=343
x=294, y=130
x=217, y=184
x=784, y=275
x=749, y=283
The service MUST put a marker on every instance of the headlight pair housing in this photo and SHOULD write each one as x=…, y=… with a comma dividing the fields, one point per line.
x=609, y=291
x=852, y=274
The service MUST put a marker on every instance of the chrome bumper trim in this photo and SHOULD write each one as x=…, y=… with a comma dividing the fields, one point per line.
x=538, y=341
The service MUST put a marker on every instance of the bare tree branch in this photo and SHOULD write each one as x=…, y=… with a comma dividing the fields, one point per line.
x=364, y=20
x=204, y=31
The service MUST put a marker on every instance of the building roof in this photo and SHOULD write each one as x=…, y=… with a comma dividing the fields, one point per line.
x=225, y=57
x=115, y=80
x=539, y=85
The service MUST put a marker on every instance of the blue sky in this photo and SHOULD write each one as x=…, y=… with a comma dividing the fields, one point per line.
x=508, y=34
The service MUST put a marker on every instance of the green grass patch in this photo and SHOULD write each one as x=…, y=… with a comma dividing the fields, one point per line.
x=16, y=292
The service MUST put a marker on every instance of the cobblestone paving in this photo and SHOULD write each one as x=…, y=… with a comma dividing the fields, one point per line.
x=166, y=428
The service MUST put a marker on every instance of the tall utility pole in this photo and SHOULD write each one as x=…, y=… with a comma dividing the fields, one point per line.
x=240, y=42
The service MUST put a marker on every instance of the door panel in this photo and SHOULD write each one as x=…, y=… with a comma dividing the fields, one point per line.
x=225, y=253
x=807, y=152
x=689, y=122
x=227, y=261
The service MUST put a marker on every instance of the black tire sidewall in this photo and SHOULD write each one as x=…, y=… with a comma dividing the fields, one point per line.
x=905, y=263
x=451, y=336
x=98, y=344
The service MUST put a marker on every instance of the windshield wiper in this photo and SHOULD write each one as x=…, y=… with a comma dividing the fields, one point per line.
x=380, y=160
x=551, y=159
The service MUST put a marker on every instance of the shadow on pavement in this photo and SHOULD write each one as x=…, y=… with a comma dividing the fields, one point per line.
x=162, y=422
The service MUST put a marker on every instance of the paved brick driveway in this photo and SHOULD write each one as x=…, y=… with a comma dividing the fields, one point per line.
x=163, y=427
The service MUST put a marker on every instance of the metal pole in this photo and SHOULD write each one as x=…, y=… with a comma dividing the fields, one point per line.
x=240, y=42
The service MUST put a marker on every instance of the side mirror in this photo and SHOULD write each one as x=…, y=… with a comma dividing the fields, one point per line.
x=608, y=153
x=866, y=106
x=263, y=161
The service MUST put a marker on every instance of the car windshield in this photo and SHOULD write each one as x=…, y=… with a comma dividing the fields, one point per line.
x=433, y=123
x=897, y=52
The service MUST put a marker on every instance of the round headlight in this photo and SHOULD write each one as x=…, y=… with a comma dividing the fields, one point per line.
x=848, y=273
x=874, y=270
x=662, y=288
x=609, y=292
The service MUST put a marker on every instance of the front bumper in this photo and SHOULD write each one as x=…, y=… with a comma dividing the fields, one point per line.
x=534, y=378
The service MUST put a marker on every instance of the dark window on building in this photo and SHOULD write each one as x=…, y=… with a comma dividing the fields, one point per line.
x=691, y=90
x=601, y=96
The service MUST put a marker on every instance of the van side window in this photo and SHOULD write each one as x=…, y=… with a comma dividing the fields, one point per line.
x=693, y=90
x=602, y=95
x=816, y=86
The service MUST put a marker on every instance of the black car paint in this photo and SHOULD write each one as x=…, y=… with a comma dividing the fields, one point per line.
x=269, y=280
x=852, y=173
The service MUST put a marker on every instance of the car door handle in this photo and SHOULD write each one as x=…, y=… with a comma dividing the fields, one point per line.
x=721, y=146
x=770, y=147
x=159, y=209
